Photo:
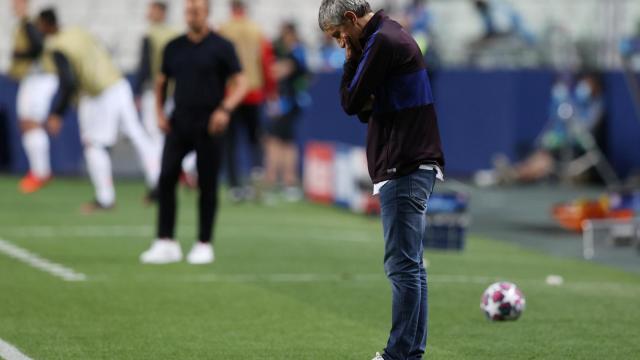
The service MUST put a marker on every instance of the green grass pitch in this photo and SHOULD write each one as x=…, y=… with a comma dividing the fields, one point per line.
x=297, y=281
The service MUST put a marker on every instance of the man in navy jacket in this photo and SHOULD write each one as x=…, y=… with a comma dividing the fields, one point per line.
x=385, y=84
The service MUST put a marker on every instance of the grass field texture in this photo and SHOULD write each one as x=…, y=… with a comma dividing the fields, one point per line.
x=295, y=281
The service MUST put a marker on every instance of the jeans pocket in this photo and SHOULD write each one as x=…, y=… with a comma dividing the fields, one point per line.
x=422, y=183
x=388, y=194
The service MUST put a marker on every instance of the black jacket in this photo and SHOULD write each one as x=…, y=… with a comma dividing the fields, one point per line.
x=402, y=123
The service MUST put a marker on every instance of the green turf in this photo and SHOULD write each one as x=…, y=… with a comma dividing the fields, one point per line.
x=253, y=303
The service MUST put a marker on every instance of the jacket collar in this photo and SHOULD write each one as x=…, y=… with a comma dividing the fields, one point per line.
x=372, y=26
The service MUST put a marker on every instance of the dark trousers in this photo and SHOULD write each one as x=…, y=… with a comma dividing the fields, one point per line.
x=247, y=116
x=5, y=150
x=404, y=205
x=180, y=141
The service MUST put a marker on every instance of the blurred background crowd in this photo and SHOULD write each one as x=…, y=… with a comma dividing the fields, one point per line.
x=485, y=33
x=541, y=88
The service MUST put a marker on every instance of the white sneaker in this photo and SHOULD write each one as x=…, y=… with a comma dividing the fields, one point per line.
x=162, y=252
x=201, y=254
x=378, y=357
x=293, y=194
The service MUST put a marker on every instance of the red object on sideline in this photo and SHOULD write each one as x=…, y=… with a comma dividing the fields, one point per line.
x=319, y=172
x=258, y=96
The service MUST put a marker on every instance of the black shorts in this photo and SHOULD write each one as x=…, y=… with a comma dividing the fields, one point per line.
x=283, y=127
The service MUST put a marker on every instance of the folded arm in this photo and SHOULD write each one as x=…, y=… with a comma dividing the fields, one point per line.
x=362, y=75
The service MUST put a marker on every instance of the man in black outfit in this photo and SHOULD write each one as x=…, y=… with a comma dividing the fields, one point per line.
x=204, y=67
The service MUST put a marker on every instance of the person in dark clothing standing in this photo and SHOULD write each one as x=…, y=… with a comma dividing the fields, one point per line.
x=385, y=83
x=285, y=112
x=204, y=67
x=256, y=56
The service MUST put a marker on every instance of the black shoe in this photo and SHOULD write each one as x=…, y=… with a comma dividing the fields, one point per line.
x=151, y=197
x=95, y=206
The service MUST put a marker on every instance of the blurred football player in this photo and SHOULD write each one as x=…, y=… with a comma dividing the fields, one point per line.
x=36, y=91
x=156, y=38
x=106, y=105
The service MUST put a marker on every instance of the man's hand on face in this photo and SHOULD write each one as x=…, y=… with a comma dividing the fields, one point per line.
x=352, y=48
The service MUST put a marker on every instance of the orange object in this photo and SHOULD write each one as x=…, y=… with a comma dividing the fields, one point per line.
x=571, y=215
x=622, y=214
x=31, y=183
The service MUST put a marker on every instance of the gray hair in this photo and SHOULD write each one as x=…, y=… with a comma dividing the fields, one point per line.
x=332, y=11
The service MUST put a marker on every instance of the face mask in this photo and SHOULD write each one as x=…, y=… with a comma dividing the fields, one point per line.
x=559, y=92
x=583, y=91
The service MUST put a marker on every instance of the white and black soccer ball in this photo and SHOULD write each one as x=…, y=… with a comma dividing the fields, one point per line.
x=502, y=301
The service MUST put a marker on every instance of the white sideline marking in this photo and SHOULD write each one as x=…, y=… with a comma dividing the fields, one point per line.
x=40, y=263
x=81, y=231
x=141, y=231
x=285, y=278
x=311, y=278
x=10, y=352
x=362, y=278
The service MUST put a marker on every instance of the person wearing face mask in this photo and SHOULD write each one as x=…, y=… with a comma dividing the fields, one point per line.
x=575, y=115
x=385, y=83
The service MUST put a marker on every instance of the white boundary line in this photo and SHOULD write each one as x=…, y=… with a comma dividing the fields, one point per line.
x=311, y=278
x=40, y=263
x=135, y=231
x=10, y=352
x=80, y=231
x=300, y=278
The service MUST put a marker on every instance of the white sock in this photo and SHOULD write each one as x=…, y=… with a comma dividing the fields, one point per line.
x=99, y=168
x=36, y=145
x=149, y=155
x=149, y=152
x=150, y=160
x=189, y=164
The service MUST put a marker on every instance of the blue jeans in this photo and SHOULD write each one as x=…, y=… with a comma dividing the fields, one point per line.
x=404, y=206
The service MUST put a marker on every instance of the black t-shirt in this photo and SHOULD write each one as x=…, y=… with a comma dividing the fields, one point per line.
x=200, y=71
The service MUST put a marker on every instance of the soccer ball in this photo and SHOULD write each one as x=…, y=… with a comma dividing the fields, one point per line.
x=502, y=301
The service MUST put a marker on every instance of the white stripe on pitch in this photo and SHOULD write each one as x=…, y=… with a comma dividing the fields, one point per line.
x=312, y=278
x=125, y=231
x=40, y=263
x=9, y=352
x=80, y=231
